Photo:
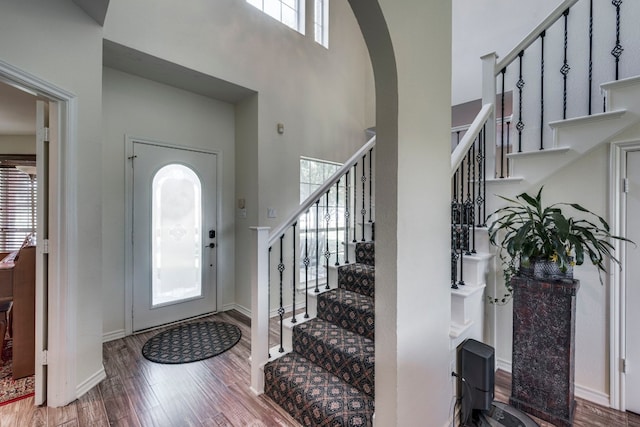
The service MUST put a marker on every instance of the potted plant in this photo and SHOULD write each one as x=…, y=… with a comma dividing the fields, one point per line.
x=544, y=242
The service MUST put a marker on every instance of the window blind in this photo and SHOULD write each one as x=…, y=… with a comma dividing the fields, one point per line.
x=17, y=207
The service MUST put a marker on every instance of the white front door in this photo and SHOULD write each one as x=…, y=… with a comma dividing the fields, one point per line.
x=632, y=280
x=174, y=234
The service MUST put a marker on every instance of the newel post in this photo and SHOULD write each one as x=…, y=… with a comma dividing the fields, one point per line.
x=489, y=97
x=259, y=305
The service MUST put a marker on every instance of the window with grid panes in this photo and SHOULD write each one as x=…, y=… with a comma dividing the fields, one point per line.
x=289, y=12
x=321, y=22
x=328, y=216
x=17, y=207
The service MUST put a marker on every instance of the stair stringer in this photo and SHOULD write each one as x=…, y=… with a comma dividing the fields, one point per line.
x=572, y=139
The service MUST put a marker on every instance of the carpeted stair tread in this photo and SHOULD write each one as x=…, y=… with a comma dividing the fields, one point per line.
x=343, y=353
x=357, y=278
x=349, y=310
x=314, y=396
x=366, y=253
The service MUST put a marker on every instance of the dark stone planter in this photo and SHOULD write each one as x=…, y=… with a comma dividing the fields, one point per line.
x=543, y=362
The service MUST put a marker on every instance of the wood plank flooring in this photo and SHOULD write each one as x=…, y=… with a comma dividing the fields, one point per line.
x=212, y=392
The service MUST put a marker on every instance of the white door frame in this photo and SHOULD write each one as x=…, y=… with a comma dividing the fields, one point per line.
x=63, y=243
x=617, y=289
x=128, y=223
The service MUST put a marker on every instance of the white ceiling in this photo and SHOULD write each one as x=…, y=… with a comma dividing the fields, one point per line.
x=17, y=111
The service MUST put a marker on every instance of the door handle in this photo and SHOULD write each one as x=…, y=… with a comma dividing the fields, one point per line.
x=211, y=245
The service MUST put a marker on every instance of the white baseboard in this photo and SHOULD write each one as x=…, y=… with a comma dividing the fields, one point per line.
x=238, y=307
x=593, y=396
x=503, y=364
x=582, y=392
x=91, y=382
x=113, y=335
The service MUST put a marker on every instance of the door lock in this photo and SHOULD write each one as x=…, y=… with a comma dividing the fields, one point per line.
x=211, y=245
x=212, y=234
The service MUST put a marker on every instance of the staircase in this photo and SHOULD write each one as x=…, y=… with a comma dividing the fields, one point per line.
x=328, y=378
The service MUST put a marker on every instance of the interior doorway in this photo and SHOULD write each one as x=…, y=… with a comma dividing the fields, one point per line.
x=55, y=310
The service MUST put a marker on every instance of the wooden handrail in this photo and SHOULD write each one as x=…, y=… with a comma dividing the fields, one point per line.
x=533, y=35
x=291, y=219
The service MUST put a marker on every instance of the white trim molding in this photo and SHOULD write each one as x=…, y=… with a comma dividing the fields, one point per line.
x=63, y=239
x=91, y=382
x=617, y=290
x=113, y=335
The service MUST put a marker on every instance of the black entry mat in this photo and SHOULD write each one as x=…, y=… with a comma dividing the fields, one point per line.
x=501, y=415
x=191, y=342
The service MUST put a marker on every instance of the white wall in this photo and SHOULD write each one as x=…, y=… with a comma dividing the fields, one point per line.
x=321, y=96
x=485, y=26
x=18, y=144
x=142, y=108
x=413, y=114
x=57, y=42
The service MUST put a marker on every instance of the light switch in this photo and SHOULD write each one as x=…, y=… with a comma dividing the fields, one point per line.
x=271, y=213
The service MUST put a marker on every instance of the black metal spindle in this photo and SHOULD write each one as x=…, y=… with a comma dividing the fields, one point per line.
x=355, y=201
x=306, y=263
x=281, y=307
x=617, y=49
x=269, y=294
x=564, y=70
x=520, y=85
x=472, y=218
x=364, y=180
x=481, y=178
x=508, y=145
x=327, y=253
x=542, y=36
x=504, y=70
x=317, y=290
x=467, y=203
x=590, y=55
x=370, y=183
x=484, y=168
x=347, y=190
x=337, y=263
x=461, y=244
x=293, y=280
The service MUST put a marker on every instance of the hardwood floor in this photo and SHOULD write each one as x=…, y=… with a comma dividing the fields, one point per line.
x=587, y=414
x=137, y=392
x=213, y=392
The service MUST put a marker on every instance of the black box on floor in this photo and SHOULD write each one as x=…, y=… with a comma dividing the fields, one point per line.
x=476, y=367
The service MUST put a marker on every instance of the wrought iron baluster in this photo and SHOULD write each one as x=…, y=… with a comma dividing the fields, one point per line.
x=370, y=183
x=467, y=204
x=355, y=201
x=564, y=70
x=617, y=49
x=293, y=282
x=281, y=307
x=454, y=244
x=520, y=85
x=269, y=294
x=347, y=223
x=364, y=180
x=504, y=70
x=542, y=36
x=590, y=55
x=317, y=290
x=508, y=145
x=306, y=263
x=461, y=244
x=327, y=253
x=472, y=218
x=337, y=263
x=481, y=179
x=484, y=168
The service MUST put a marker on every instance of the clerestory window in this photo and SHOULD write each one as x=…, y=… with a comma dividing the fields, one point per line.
x=289, y=12
x=321, y=22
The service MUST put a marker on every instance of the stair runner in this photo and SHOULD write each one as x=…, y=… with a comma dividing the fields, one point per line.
x=328, y=379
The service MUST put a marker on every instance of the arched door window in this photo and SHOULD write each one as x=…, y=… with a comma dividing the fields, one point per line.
x=176, y=235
